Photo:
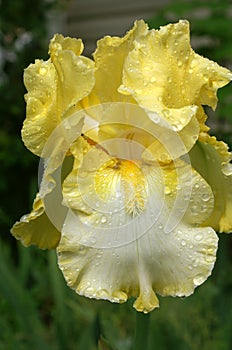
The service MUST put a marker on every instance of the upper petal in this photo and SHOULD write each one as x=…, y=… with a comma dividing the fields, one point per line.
x=75, y=73
x=163, y=70
x=54, y=89
x=40, y=82
x=109, y=57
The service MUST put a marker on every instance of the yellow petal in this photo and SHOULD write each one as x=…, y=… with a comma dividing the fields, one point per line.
x=59, y=43
x=36, y=228
x=40, y=82
x=163, y=71
x=42, y=226
x=163, y=74
x=211, y=159
x=54, y=89
x=75, y=78
x=109, y=57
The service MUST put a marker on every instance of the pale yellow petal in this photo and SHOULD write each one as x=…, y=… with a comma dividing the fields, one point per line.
x=109, y=57
x=36, y=229
x=75, y=79
x=211, y=159
x=112, y=253
x=169, y=144
x=164, y=72
x=59, y=43
x=78, y=184
x=171, y=265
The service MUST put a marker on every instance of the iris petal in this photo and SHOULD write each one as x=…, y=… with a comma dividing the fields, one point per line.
x=36, y=228
x=169, y=262
x=211, y=158
x=52, y=95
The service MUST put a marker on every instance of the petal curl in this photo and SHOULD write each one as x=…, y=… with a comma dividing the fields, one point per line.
x=54, y=89
x=211, y=159
x=75, y=74
x=40, y=82
x=163, y=74
x=36, y=228
x=109, y=57
x=163, y=70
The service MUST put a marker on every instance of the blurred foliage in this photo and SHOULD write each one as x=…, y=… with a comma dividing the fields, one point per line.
x=37, y=309
x=22, y=39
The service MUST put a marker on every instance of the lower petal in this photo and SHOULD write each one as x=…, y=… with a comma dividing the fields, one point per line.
x=169, y=264
x=36, y=228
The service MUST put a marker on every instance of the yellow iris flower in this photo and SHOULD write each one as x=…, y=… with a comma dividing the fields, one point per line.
x=133, y=187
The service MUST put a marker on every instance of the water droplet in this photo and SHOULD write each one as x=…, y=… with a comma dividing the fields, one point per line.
x=103, y=220
x=183, y=242
x=167, y=190
x=199, y=279
x=227, y=168
x=205, y=197
x=24, y=218
x=195, y=263
x=209, y=258
x=198, y=237
x=43, y=71
x=166, y=113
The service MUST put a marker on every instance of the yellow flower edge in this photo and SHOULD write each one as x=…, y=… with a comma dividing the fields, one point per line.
x=212, y=159
x=36, y=228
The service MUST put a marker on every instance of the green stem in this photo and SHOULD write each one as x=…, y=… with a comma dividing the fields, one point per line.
x=141, y=331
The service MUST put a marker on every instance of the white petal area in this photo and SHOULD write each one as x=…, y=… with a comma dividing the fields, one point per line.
x=172, y=264
x=111, y=254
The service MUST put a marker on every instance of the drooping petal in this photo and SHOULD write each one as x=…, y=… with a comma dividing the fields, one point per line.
x=108, y=253
x=211, y=159
x=36, y=228
x=43, y=225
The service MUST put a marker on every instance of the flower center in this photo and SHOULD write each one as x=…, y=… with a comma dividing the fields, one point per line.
x=122, y=180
